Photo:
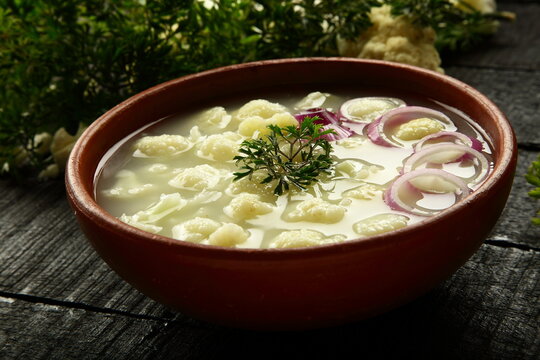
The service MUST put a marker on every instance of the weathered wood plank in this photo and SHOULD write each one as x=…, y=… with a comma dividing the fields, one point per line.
x=516, y=93
x=514, y=225
x=516, y=45
x=485, y=311
x=41, y=331
x=43, y=253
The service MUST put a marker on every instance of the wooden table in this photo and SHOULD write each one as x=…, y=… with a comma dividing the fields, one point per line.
x=58, y=299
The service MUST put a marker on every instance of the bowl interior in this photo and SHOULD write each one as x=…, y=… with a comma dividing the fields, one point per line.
x=289, y=75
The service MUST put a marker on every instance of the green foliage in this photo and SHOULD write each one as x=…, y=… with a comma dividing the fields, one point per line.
x=289, y=156
x=457, y=28
x=533, y=177
x=66, y=62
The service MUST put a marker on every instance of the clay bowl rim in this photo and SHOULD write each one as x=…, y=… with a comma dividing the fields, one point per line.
x=84, y=201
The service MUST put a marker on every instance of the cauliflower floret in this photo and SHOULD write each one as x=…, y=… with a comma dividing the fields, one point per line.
x=221, y=147
x=50, y=172
x=161, y=146
x=394, y=39
x=367, y=109
x=379, y=224
x=247, y=206
x=351, y=142
x=253, y=124
x=303, y=238
x=135, y=222
x=312, y=100
x=364, y=192
x=356, y=170
x=157, y=168
x=200, y=177
x=317, y=210
x=214, y=118
x=61, y=145
x=228, y=235
x=195, y=230
x=262, y=108
x=167, y=204
x=353, y=169
x=127, y=185
x=252, y=186
x=484, y=6
x=418, y=128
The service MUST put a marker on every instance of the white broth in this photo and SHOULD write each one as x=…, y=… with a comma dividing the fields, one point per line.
x=175, y=177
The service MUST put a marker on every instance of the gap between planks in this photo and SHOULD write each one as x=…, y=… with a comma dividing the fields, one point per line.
x=78, y=305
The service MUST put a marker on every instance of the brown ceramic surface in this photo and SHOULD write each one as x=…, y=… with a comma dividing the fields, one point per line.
x=293, y=288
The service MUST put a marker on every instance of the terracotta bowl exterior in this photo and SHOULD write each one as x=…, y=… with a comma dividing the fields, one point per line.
x=291, y=288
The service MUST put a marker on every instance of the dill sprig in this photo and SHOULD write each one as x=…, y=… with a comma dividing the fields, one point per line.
x=533, y=177
x=289, y=155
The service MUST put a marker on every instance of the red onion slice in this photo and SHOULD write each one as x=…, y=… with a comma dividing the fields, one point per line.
x=451, y=137
x=325, y=116
x=450, y=153
x=378, y=131
x=383, y=104
x=408, y=189
x=329, y=120
x=341, y=132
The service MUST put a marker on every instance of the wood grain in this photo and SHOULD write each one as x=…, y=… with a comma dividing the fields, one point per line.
x=515, y=46
x=515, y=92
x=58, y=300
x=488, y=304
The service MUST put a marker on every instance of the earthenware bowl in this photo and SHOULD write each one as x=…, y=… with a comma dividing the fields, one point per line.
x=292, y=288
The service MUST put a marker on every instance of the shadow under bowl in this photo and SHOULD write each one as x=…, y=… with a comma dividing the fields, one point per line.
x=302, y=288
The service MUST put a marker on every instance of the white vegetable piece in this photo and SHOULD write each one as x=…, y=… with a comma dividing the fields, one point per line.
x=195, y=230
x=379, y=224
x=161, y=146
x=247, y=206
x=136, y=222
x=262, y=108
x=127, y=185
x=252, y=186
x=394, y=38
x=364, y=192
x=418, y=128
x=355, y=169
x=167, y=204
x=221, y=147
x=256, y=125
x=351, y=142
x=214, y=118
x=228, y=235
x=312, y=100
x=200, y=177
x=303, y=238
x=367, y=109
x=317, y=210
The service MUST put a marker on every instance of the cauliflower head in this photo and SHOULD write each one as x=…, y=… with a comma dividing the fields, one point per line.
x=394, y=39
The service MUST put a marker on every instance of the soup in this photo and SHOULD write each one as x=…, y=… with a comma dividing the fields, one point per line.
x=395, y=162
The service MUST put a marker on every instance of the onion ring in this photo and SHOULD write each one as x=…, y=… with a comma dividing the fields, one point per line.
x=393, y=195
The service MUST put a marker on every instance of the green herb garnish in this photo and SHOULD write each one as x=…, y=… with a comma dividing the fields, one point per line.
x=289, y=155
x=533, y=177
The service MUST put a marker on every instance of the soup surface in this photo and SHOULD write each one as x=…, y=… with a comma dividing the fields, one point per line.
x=396, y=162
